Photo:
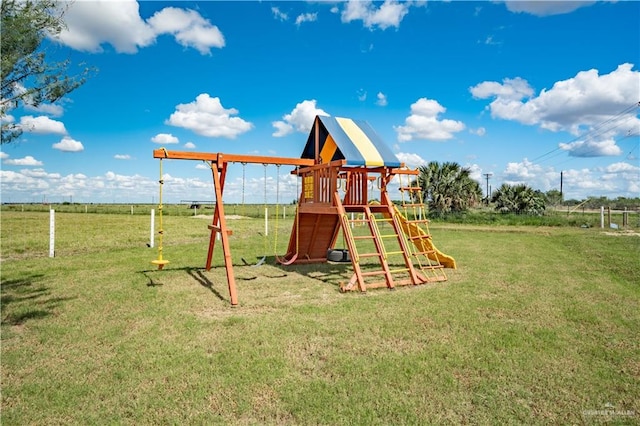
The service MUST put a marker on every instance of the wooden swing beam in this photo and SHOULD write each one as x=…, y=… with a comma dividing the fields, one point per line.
x=221, y=158
x=218, y=162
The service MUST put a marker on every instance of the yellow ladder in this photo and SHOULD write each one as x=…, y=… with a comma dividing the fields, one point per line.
x=416, y=226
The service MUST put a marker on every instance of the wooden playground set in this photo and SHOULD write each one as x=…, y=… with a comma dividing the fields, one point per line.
x=343, y=162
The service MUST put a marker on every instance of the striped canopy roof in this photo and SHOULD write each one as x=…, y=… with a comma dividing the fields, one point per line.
x=346, y=139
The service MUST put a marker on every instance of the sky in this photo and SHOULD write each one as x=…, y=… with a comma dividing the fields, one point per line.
x=520, y=91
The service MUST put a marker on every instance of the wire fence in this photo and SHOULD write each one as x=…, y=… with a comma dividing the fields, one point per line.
x=88, y=228
x=248, y=210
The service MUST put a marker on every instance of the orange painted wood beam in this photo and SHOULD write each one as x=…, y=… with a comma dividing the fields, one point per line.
x=220, y=158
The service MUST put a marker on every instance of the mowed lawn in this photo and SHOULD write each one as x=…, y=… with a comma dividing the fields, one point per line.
x=537, y=326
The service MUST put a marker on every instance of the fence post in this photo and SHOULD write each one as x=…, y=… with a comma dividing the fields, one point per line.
x=153, y=227
x=625, y=218
x=609, y=216
x=602, y=217
x=52, y=233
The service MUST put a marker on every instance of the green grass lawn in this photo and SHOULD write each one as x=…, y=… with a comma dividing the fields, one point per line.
x=538, y=325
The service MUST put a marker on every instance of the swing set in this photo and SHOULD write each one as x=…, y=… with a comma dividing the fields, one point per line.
x=341, y=159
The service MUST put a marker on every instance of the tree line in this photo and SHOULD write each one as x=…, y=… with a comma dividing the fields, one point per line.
x=448, y=188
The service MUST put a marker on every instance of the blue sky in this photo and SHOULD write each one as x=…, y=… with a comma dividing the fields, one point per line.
x=520, y=90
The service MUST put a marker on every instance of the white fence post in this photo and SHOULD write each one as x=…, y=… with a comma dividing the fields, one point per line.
x=601, y=216
x=153, y=227
x=52, y=233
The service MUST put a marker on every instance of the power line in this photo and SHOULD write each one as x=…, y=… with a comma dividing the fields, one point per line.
x=597, y=130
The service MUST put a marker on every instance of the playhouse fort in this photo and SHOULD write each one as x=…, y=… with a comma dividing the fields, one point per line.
x=343, y=163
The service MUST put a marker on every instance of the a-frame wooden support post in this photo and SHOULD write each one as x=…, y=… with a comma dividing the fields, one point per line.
x=219, y=226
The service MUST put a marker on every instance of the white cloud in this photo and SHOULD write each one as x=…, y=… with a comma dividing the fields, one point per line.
x=476, y=172
x=490, y=41
x=164, y=138
x=299, y=119
x=382, y=99
x=480, y=131
x=411, y=160
x=53, y=110
x=17, y=182
x=30, y=185
x=528, y=173
x=362, y=95
x=40, y=173
x=306, y=17
x=617, y=178
x=423, y=123
x=545, y=8
x=122, y=157
x=580, y=105
x=3, y=155
x=510, y=90
x=622, y=168
x=90, y=24
x=278, y=14
x=42, y=125
x=26, y=161
x=202, y=166
x=521, y=172
x=68, y=144
x=190, y=145
x=7, y=119
x=584, y=182
x=189, y=28
x=207, y=117
x=388, y=14
x=592, y=148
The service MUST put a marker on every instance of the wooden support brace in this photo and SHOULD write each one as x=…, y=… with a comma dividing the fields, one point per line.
x=217, y=229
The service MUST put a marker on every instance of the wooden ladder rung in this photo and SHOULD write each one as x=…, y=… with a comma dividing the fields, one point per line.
x=364, y=237
x=435, y=279
x=431, y=267
x=418, y=221
x=410, y=188
x=369, y=255
x=372, y=273
x=396, y=271
x=419, y=253
x=419, y=237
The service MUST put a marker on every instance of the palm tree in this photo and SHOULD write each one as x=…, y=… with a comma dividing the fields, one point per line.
x=448, y=187
x=519, y=199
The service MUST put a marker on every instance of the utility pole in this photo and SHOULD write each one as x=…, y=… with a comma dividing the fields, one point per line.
x=487, y=176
